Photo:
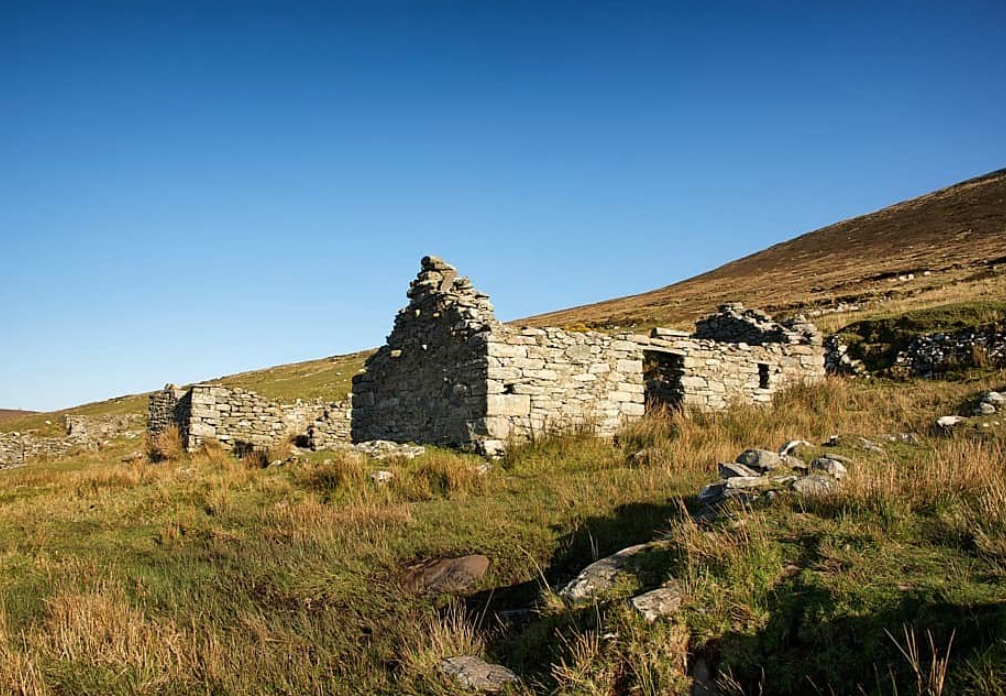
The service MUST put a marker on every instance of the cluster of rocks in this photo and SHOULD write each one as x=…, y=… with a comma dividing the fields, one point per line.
x=935, y=354
x=991, y=403
x=758, y=472
x=83, y=433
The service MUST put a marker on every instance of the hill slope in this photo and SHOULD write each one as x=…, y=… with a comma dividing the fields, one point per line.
x=955, y=233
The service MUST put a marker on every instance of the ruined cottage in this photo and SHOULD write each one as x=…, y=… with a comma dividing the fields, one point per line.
x=451, y=374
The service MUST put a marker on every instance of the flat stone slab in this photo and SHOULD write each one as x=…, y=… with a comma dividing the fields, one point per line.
x=448, y=575
x=658, y=603
x=815, y=485
x=599, y=575
x=473, y=672
x=760, y=459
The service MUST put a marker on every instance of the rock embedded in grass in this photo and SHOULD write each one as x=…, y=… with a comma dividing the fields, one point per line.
x=382, y=476
x=830, y=466
x=950, y=422
x=658, y=603
x=599, y=576
x=760, y=459
x=447, y=575
x=732, y=469
x=814, y=485
x=791, y=447
x=473, y=672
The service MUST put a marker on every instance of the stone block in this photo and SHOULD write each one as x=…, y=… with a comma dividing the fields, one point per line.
x=508, y=404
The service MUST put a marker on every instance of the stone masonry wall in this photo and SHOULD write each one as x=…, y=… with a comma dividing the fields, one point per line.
x=333, y=425
x=540, y=379
x=235, y=418
x=452, y=374
x=83, y=433
x=428, y=384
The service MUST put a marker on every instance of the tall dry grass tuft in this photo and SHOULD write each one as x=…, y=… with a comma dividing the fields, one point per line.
x=960, y=481
x=931, y=676
x=447, y=634
x=166, y=445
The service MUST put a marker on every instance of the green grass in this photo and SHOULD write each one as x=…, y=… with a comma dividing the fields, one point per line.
x=206, y=576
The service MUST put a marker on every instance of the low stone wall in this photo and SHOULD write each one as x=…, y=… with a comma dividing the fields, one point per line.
x=333, y=426
x=935, y=354
x=234, y=418
x=83, y=433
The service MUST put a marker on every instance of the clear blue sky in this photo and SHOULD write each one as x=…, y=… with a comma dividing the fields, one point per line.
x=194, y=189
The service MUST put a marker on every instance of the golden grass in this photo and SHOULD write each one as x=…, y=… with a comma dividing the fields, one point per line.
x=167, y=445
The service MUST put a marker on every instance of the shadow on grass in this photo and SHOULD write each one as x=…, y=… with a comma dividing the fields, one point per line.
x=805, y=649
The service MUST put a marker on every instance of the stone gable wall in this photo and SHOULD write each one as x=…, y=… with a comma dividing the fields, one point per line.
x=428, y=383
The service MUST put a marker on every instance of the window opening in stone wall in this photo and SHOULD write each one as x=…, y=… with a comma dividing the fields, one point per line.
x=662, y=374
x=763, y=376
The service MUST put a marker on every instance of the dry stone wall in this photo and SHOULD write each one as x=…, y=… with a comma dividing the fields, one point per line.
x=428, y=384
x=237, y=419
x=83, y=433
x=452, y=374
x=333, y=426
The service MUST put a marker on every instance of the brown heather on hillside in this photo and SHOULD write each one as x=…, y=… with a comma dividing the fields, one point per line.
x=7, y=413
x=957, y=233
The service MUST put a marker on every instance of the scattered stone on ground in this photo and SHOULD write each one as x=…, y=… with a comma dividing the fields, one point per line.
x=381, y=476
x=483, y=469
x=901, y=438
x=731, y=469
x=854, y=442
x=132, y=457
x=447, y=575
x=949, y=422
x=658, y=603
x=814, y=485
x=760, y=459
x=600, y=575
x=791, y=447
x=991, y=403
x=473, y=672
x=647, y=455
x=832, y=467
x=385, y=449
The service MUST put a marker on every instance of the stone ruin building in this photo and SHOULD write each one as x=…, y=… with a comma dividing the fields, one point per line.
x=451, y=374
x=242, y=420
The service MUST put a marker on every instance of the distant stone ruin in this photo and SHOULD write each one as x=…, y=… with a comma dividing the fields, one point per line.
x=451, y=374
x=241, y=420
x=81, y=434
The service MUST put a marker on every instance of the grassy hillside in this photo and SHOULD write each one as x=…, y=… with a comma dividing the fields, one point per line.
x=206, y=575
x=8, y=413
x=956, y=234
